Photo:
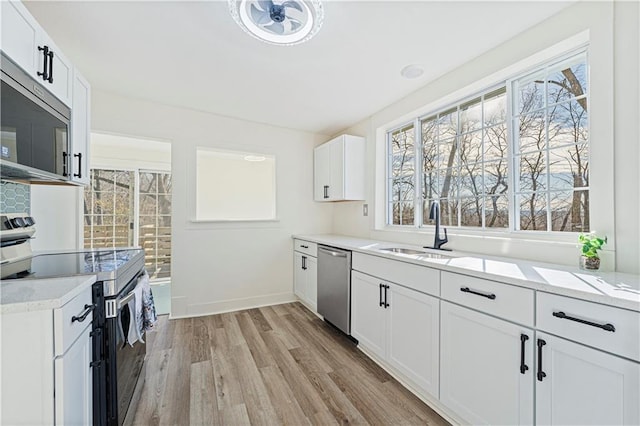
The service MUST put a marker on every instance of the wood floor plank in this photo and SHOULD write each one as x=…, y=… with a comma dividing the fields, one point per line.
x=338, y=404
x=282, y=397
x=203, y=408
x=277, y=365
x=259, y=351
x=278, y=327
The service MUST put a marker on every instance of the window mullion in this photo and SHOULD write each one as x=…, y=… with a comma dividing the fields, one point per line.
x=513, y=138
x=417, y=174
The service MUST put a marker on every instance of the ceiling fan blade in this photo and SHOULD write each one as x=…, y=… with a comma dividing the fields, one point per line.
x=259, y=17
x=295, y=24
x=266, y=5
x=276, y=27
x=293, y=4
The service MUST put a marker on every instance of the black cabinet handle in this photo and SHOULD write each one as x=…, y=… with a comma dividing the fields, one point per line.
x=523, y=366
x=304, y=263
x=541, y=374
x=45, y=69
x=468, y=290
x=50, y=79
x=606, y=327
x=386, y=290
x=326, y=191
x=87, y=310
x=79, y=174
x=381, y=286
x=65, y=172
x=304, y=246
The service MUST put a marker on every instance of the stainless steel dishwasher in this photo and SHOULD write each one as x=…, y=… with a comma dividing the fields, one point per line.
x=334, y=287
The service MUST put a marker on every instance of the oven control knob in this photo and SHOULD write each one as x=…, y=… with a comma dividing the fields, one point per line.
x=28, y=221
x=17, y=222
x=31, y=220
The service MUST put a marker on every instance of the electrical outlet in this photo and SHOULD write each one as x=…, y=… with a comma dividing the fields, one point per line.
x=365, y=210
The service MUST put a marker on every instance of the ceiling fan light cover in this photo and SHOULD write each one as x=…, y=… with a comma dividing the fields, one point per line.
x=282, y=22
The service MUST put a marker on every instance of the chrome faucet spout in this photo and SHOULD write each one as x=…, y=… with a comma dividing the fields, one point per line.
x=434, y=214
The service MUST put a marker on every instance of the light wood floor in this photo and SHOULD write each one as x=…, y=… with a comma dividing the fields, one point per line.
x=273, y=365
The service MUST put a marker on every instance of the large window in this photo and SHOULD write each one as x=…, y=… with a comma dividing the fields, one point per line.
x=514, y=157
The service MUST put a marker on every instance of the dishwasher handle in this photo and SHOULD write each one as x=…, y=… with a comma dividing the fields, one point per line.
x=333, y=253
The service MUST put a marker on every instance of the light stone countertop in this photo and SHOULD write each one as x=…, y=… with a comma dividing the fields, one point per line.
x=609, y=288
x=24, y=295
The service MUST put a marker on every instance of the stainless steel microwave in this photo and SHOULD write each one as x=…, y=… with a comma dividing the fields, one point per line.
x=34, y=128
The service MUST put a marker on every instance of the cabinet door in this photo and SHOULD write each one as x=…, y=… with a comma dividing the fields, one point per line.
x=321, y=172
x=299, y=277
x=413, y=339
x=20, y=36
x=336, y=169
x=73, y=383
x=480, y=376
x=61, y=72
x=80, y=130
x=584, y=386
x=368, y=318
x=312, y=281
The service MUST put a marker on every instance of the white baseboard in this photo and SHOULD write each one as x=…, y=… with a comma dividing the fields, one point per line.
x=213, y=308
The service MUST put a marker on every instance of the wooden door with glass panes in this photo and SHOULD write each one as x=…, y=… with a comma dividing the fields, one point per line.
x=155, y=222
x=109, y=209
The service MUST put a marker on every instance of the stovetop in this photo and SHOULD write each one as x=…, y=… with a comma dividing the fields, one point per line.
x=54, y=265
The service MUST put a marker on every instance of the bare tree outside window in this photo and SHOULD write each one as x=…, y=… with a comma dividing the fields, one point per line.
x=401, y=185
x=552, y=148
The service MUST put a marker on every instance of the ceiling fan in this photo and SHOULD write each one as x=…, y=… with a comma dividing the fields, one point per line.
x=278, y=21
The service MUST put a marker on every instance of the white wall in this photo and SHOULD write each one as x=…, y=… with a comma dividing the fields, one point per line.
x=218, y=266
x=617, y=161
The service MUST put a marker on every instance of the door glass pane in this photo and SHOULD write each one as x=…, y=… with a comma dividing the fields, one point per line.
x=155, y=222
x=108, y=209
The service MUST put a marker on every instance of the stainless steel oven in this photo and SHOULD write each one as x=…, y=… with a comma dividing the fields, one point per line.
x=34, y=128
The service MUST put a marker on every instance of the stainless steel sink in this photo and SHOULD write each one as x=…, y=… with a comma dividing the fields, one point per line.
x=402, y=250
x=421, y=253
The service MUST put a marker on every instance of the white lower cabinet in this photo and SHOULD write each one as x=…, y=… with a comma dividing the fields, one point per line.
x=584, y=386
x=73, y=383
x=400, y=326
x=305, y=278
x=487, y=371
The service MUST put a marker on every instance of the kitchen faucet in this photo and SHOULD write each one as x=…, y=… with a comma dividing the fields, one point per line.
x=434, y=214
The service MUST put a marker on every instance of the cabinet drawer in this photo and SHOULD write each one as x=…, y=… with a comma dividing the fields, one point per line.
x=583, y=322
x=306, y=247
x=67, y=321
x=499, y=299
x=420, y=278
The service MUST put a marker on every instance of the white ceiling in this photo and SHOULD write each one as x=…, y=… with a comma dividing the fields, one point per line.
x=193, y=55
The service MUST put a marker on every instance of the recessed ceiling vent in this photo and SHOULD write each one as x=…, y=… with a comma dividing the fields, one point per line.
x=278, y=22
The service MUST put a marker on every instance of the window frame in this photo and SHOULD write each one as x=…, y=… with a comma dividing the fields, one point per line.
x=551, y=61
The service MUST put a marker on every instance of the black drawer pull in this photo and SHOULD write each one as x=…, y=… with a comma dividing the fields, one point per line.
x=50, y=77
x=468, y=290
x=605, y=327
x=87, y=310
x=523, y=366
x=541, y=374
x=326, y=191
x=304, y=263
x=45, y=69
x=386, y=303
x=381, y=286
x=79, y=157
x=304, y=246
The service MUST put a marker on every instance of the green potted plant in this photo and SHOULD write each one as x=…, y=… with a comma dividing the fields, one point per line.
x=589, y=258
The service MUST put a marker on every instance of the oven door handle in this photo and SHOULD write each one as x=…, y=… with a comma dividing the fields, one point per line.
x=126, y=299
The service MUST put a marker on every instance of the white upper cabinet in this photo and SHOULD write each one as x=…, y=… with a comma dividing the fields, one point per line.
x=20, y=36
x=80, y=130
x=339, y=169
x=29, y=46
